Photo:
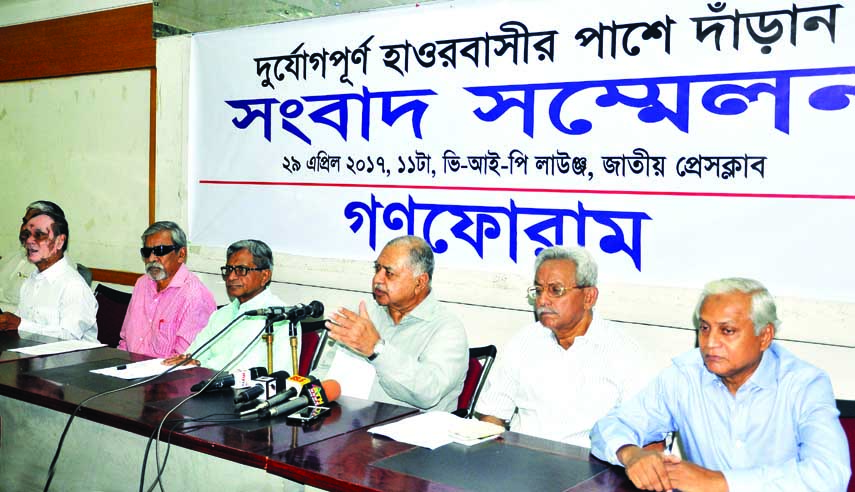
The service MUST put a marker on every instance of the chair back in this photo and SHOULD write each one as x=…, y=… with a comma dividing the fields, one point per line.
x=480, y=361
x=847, y=420
x=313, y=339
x=112, y=307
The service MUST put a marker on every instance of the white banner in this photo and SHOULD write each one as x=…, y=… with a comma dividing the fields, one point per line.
x=679, y=141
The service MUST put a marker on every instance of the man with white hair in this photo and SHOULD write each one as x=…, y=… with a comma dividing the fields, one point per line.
x=413, y=351
x=54, y=300
x=169, y=304
x=751, y=415
x=557, y=376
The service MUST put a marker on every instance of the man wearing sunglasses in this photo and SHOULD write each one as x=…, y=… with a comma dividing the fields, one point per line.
x=557, y=376
x=54, y=300
x=247, y=274
x=169, y=304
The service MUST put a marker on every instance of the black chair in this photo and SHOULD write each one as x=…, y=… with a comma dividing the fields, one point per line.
x=480, y=361
x=112, y=307
x=313, y=338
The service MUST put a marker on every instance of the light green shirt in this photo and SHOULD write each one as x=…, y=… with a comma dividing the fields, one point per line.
x=218, y=354
x=425, y=359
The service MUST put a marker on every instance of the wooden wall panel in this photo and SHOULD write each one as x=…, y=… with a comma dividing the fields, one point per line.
x=118, y=39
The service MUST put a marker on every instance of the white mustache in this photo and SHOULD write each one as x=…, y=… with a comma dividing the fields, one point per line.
x=153, y=264
x=381, y=289
x=545, y=310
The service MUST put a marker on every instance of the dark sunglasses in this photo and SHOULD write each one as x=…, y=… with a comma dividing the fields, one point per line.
x=240, y=271
x=39, y=236
x=160, y=250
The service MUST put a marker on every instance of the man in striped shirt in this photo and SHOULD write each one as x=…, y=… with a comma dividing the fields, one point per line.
x=169, y=305
x=557, y=376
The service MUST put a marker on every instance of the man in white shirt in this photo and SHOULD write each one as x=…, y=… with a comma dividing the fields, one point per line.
x=556, y=377
x=407, y=347
x=55, y=300
x=247, y=273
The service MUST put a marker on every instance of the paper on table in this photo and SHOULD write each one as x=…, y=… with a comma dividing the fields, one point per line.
x=429, y=430
x=354, y=373
x=472, y=431
x=136, y=370
x=57, y=347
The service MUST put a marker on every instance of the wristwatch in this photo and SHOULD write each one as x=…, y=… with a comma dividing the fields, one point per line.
x=378, y=349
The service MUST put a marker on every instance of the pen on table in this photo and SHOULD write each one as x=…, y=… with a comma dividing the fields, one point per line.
x=123, y=366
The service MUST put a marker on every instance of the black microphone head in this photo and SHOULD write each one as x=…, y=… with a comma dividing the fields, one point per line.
x=254, y=372
x=317, y=309
x=249, y=394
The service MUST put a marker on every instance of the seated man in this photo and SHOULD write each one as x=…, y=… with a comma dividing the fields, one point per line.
x=751, y=415
x=248, y=272
x=556, y=377
x=54, y=301
x=416, y=349
x=14, y=267
x=169, y=305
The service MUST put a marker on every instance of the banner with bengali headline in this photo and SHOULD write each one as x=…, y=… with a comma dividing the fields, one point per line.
x=678, y=141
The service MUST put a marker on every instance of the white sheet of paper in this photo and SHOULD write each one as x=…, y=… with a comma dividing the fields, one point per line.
x=354, y=373
x=429, y=430
x=58, y=347
x=135, y=370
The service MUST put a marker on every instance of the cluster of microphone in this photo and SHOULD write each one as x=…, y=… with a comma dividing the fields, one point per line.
x=262, y=395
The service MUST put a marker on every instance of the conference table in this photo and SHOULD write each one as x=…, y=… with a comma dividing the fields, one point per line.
x=106, y=443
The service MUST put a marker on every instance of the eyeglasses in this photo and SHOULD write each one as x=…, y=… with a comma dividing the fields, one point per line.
x=240, y=271
x=38, y=236
x=553, y=290
x=159, y=250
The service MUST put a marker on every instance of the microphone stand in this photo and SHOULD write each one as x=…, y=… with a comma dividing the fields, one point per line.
x=292, y=333
x=268, y=337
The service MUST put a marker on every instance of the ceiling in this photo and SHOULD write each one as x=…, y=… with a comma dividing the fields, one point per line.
x=186, y=16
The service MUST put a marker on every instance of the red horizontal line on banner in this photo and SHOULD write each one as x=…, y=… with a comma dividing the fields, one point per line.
x=533, y=190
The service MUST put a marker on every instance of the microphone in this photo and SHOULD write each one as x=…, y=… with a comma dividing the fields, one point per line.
x=315, y=394
x=293, y=387
x=264, y=386
x=300, y=312
x=240, y=379
x=293, y=313
x=270, y=311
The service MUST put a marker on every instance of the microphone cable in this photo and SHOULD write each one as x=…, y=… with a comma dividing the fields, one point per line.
x=52, y=467
x=157, y=435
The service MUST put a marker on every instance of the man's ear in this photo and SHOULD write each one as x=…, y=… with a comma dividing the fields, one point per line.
x=591, y=294
x=767, y=334
x=422, y=281
x=182, y=254
x=60, y=241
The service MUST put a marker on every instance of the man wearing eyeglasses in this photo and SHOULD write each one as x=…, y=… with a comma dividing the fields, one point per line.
x=248, y=272
x=557, y=376
x=169, y=304
x=55, y=300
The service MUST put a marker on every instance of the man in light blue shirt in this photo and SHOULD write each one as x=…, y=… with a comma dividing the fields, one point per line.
x=751, y=415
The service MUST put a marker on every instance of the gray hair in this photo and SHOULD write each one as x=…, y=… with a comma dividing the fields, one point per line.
x=178, y=237
x=586, y=267
x=421, y=254
x=763, y=310
x=52, y=210
x=262, y=256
